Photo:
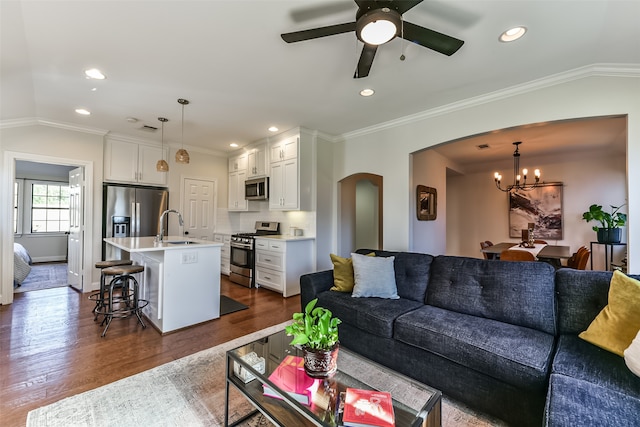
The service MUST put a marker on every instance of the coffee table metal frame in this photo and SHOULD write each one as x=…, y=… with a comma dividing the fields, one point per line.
x=289, y=412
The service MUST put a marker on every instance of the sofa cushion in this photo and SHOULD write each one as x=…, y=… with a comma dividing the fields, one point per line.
x=578, y=359
x=572, y=402
x=412, y=272
x=374, y=277
x=514, y=354
x=619, y=322
x=492, y=290
x=374, y=315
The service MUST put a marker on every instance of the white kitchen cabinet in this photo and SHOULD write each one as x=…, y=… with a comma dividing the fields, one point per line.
x=238, y=163
x=133, y=162
x=283, y=185
x=284, y=149
x=257, y=161
x=225, y=252
x=280, y=263
x=291, y=171
x=237, y=202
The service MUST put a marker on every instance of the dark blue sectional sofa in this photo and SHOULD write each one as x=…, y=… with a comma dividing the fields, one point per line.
x=498, y=336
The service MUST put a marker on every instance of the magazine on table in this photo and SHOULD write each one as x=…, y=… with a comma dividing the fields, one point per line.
x=367, y=408
x=290, y=377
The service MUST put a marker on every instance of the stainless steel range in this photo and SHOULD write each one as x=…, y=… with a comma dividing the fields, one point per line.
x=243, y=260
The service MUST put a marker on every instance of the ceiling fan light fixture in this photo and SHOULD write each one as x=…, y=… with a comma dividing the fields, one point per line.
x=378, y=26
x=512, y=34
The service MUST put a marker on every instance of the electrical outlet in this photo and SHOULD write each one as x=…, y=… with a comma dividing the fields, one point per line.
x=189, y=257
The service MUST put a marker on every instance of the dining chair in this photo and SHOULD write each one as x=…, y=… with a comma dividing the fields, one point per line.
x=484, y=245
x=579, y=259
x=514, y=255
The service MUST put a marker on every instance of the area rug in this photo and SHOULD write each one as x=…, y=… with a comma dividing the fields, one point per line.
x=186, y=392
x=229, y=305
x=44, y=276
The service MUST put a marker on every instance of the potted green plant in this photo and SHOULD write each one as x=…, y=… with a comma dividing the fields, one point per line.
x=610, y=222
x=316, y=332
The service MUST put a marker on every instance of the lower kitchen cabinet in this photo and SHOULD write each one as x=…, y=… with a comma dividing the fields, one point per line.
x=225, y=252
x=280, y=263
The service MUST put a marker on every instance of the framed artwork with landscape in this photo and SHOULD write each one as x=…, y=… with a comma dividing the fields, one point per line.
x=542, y=206
x=426, y=203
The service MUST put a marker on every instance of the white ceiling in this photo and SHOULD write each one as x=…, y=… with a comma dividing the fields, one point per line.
x=228, y=60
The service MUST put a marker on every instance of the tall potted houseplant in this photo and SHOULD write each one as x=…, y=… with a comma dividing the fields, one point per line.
x=610, y=223
x=316, y=332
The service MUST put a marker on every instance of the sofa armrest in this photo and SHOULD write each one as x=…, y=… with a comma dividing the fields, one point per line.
x=313, y=284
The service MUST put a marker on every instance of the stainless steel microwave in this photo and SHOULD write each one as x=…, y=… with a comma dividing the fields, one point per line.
x=256, y=189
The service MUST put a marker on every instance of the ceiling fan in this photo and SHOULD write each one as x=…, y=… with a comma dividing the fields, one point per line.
x=378, y=22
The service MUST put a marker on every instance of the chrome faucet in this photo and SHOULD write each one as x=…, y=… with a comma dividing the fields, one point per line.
x=160, y=235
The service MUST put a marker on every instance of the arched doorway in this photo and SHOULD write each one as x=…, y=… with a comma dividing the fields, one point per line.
x=360, y=213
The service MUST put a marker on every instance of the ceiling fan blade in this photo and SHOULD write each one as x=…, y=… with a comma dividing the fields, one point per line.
x=314, y=33
x=405, y=5
x=366, y=60
x=430, y=39
x=326, y=8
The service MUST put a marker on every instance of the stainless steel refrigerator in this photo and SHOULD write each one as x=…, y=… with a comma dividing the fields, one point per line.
x=130, y=211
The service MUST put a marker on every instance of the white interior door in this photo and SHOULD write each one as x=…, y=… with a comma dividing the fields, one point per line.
x=76, y=228
x=199, y=202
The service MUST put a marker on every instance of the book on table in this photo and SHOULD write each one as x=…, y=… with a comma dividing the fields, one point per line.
x=290, y=377
x=366, y=408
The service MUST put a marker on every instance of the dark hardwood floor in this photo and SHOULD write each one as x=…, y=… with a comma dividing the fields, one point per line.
x=50, y=347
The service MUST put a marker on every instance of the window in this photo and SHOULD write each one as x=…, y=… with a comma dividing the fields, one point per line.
x=49, y=207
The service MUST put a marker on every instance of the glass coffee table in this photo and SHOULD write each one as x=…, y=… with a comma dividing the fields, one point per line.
x=249, y=366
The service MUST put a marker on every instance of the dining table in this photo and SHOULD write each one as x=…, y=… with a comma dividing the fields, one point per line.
x=551, y=252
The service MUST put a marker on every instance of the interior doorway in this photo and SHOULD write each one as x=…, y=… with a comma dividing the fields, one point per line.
x=360, y=213
x=7, y=202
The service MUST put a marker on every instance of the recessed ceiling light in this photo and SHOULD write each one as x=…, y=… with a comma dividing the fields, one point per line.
x=367, y=92
x=273, y=129
x=94, y=73
x=512, y=34
x=132, y=120
x=83, y=111
x=233, y=144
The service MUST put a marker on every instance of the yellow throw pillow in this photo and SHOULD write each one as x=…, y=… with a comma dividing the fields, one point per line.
x=617, y=324
x=343, y=273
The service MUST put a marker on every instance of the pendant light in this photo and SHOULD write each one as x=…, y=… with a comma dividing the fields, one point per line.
x=162, y=165
x=182, y=156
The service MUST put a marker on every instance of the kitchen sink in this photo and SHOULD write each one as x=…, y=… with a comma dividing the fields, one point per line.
x=182, y=242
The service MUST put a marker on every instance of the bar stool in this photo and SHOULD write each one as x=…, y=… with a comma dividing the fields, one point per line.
x=128, y=301
x=98, y=296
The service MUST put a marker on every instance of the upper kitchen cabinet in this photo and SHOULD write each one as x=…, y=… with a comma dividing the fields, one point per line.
x=257, y=161
x=237, y=177
x=133, y=162
x=291, y=171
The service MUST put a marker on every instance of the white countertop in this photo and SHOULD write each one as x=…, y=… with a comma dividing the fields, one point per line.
x=147, y=244
x=285, y=237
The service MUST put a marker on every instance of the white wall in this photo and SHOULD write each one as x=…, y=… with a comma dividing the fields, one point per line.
x=63, y=146
x=478, y=211
x=385, y=150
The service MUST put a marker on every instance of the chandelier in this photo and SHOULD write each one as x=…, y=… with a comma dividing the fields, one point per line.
x=519, y=181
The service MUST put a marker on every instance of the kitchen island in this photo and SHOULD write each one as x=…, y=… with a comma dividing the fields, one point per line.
x=181, y=279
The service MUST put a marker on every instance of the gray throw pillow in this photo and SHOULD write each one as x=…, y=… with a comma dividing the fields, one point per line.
x=374, y=277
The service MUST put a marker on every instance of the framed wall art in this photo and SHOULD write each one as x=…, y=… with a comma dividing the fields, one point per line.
x=426, y=203
x=541, y=206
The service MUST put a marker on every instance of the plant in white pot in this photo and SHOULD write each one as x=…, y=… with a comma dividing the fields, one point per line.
x=610, y=222
x=316, y=332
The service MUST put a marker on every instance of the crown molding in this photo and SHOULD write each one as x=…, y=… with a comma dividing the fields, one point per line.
x=37, y=121
x=595, y=70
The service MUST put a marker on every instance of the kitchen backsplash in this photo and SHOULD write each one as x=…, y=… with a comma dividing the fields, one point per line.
x=233, y=222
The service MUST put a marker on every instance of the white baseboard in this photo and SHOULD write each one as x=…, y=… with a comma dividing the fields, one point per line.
x=48, y=259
